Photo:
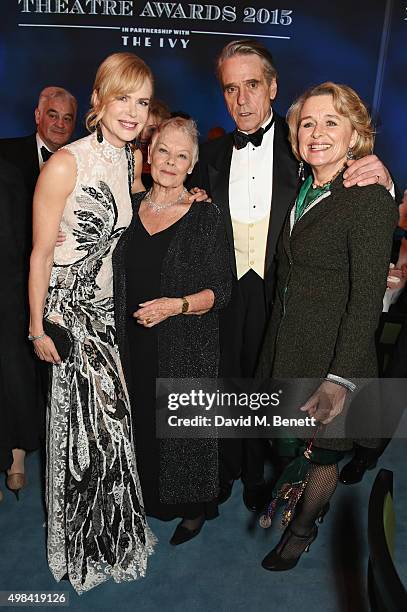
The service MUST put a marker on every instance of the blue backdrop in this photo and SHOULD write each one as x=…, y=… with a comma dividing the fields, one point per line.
x=61, y=42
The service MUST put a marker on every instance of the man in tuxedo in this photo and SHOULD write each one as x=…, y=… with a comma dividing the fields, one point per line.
x=55, y=117
x=252, y=176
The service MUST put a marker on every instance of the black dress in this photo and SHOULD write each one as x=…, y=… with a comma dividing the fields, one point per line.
x=144, y=257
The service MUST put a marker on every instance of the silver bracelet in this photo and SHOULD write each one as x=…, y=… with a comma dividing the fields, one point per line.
x=32, y=338
x=342, y=382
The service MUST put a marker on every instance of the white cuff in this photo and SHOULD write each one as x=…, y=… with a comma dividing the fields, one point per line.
x=392, y=191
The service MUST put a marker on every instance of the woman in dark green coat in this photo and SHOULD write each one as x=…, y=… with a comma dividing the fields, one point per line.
x=333, y=258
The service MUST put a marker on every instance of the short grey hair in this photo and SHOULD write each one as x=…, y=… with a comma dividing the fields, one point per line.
x=247, y=47
x=49, y=93
x=187, y=126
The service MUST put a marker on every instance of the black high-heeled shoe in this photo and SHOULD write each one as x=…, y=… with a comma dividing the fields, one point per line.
x=274, y=562
x=321, y=515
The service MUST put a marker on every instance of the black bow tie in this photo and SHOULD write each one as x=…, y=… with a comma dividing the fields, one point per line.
x=241, y=140
x=45, y=154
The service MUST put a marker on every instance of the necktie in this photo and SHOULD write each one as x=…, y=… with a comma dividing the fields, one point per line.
x=45, y=154
x=241, y=140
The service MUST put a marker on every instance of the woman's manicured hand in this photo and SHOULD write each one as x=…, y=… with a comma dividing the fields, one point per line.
x=155, y=311
x=45, y=349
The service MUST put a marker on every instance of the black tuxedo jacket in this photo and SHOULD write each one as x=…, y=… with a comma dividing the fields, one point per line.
x=22, y=153
x=212, y=174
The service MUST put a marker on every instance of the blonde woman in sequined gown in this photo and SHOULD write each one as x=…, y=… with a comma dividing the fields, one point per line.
x=96, y=522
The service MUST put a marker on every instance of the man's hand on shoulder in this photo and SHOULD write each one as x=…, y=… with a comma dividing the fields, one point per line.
x=198, y=195
x=368, y=170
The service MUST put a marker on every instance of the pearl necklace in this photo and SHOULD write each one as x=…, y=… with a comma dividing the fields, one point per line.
x=159, y=207
x=315, y=186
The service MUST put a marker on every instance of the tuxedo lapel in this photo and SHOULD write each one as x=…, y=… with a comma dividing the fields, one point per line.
x=285, y=185
x=219, y=178
x=219, y=172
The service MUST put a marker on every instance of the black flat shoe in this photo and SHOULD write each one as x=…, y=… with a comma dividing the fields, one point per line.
x=255, y=498
x=225, y=491
x=354, y=471
x=182, y=534
x=274, y=562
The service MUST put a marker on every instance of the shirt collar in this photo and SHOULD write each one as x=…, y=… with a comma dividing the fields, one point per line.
x=265, y=123
x=40, y=142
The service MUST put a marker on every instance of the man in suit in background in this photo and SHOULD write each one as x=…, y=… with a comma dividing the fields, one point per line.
x=55, y=118
x=253, y=176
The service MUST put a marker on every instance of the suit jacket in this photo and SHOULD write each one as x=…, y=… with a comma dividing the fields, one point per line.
x=22, y=153
x=331, y=278
x=212, y=174
x=19, y=410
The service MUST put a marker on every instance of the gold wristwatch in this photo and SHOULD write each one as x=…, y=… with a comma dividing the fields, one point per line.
x=185, y=305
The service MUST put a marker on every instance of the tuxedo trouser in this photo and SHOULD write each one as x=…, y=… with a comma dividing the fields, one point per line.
x=242, y=326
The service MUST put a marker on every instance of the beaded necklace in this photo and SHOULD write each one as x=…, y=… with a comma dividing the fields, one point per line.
x=309, y=193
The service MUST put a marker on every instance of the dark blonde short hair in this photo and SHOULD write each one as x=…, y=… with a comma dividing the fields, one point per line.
x=186, y=126
x=159, y=109
x=348, y=104
x=119, y=73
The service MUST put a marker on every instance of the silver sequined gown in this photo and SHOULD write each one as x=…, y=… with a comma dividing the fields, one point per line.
x=96, y=521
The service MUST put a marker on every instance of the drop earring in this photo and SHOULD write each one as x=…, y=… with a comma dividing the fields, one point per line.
x=301, y=172
x=349, y=154
x=99, y=133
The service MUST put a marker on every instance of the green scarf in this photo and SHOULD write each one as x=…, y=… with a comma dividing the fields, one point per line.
x=308, y=194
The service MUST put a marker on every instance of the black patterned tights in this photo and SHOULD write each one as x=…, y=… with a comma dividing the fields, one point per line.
x=319, y=490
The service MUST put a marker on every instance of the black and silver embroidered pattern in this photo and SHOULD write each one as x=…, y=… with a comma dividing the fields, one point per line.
x=96, y=522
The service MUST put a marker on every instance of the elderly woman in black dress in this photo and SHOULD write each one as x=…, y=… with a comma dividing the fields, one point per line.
x=171, y=277
x=333, y=258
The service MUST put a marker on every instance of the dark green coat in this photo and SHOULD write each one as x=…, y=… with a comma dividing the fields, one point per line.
x=331, y=277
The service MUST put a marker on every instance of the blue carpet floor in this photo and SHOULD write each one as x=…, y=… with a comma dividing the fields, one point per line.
x=220, y=569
